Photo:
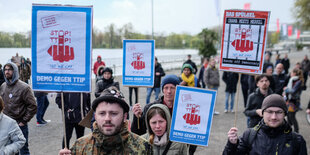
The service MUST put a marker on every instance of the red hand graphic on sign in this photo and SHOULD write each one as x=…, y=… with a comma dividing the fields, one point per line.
x=138, y=64
x=60, y=52
x=192, y=118
x=242, y=44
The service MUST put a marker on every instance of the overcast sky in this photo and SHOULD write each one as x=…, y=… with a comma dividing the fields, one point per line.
x=178, y=16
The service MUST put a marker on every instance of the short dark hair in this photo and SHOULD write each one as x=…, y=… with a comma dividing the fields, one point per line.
x=9, y=65
x=1, y=104
x=259, y=77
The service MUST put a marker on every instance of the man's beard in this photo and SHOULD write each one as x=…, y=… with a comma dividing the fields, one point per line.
x=116, y=131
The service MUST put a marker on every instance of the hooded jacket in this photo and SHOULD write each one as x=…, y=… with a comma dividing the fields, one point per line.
x=12, y=138
x=20, y=103
x=141, y=120
x=175, y=148
x=268, y=141
x=255, y=101
x=99, y=75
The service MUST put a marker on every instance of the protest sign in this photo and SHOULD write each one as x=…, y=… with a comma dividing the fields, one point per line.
x=61, y=48
x=192, y=115
x=138, y=63
x=244, y=41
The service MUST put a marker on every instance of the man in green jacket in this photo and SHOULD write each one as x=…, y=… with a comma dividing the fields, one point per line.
x=110, y=134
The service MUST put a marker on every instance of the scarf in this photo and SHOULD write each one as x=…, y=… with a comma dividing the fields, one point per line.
x=290, y=85
x=110, y=143
x=189, y=80
x=160, y=141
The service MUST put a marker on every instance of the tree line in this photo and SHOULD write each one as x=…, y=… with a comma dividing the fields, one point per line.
x=111, y=37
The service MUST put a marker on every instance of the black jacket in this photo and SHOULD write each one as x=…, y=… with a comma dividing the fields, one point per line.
x=255, y=101
x=103, y=84
x=142, y=125
x=72, y=106
x=286, y=65
x=157, y=80
x=268, y=141
x=280, y=81
x=231, y=81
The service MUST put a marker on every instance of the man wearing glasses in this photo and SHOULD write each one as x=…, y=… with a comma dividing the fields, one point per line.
x=272, y=135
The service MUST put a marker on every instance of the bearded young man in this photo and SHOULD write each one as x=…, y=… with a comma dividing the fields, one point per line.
x=253, y=108
x=110, y=134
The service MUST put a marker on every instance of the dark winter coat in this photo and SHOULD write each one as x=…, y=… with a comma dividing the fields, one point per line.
x=72, y=106
x=305, y=65
x=286, y=64
x=255, y=101
x=103, y=84
x=251, y=84
x=20, y=103
x=268, y=141
x=157, y=80
x=231, y=81
x=280, y=81
x=266, y=65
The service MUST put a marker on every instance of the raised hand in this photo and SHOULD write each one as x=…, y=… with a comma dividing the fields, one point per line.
x=242, y=44
x=232, y=135
x=61, y=52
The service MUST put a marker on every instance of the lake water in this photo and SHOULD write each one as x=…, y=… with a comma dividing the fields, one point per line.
x=169, y=58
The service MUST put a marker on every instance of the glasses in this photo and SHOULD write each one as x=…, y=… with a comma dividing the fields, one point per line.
x=274, y=112
x=8, y=69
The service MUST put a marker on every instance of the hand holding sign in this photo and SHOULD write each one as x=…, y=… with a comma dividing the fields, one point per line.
x=60, y=52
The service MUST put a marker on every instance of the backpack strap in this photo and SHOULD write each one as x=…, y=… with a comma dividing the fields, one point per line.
x=252, y=135
x=167, y=148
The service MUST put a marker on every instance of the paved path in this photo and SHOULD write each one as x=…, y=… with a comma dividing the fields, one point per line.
x=47, y=140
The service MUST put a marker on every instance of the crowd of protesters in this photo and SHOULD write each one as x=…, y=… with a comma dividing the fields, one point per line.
x=268, y=98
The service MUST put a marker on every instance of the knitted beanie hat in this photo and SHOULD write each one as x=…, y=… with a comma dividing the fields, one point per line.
x=274, y=100
x=170, y=79
x=187, y=66
x=111, y=95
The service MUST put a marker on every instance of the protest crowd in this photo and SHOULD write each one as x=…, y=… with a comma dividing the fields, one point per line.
x=271, y=102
